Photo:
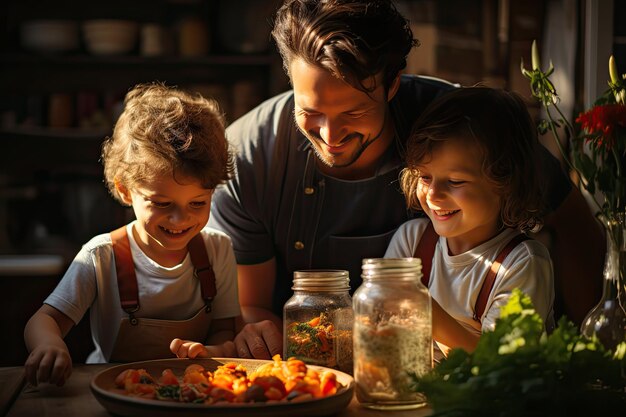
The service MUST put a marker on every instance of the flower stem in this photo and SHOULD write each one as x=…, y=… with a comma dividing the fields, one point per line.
x=619, y=195
x=557, y=138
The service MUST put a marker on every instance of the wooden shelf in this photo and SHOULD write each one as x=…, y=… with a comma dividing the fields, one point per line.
x=49, y=73
x=30, y=149
x=135, y=60
x=50, y=133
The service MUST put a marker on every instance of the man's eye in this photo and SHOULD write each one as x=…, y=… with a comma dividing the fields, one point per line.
x=305, y=113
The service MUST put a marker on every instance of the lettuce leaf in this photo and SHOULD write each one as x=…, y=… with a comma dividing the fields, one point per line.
x=519, y=370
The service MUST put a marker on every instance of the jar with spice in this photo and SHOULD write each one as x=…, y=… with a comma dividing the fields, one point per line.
x=318, y=319
x=392, y=333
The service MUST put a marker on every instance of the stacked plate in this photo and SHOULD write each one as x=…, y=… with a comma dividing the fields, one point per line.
x=110, y=36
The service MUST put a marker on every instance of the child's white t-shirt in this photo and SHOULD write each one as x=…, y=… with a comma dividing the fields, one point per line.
x=455, y=281
x=90, y=283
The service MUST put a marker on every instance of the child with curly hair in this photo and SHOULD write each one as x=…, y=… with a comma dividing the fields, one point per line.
x=165, y=275
x=473, y=169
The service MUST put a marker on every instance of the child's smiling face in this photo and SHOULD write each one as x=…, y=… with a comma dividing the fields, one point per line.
x=462, y=203
x=169, y=214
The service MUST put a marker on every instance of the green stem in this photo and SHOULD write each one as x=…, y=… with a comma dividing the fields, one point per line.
x=555, y=134
x=565, y=119
x=618, y=183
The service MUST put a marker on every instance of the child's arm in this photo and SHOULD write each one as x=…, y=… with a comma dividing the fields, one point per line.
x=448, y=331
x=49, y=359
x=220, y=342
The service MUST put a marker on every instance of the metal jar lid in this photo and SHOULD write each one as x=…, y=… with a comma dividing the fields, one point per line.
x=324, y=280
x=391, y=267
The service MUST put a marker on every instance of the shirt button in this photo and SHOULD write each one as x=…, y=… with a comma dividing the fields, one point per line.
x=309, y=190
x=298, y=245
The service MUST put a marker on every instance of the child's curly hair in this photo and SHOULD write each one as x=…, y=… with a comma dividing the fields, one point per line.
x=163, y=130
x=498, y=122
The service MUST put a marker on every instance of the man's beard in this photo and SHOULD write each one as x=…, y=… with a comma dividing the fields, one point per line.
x=364, y=143
x=327, y=160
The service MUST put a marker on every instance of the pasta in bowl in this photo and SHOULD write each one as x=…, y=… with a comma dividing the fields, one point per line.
x=225, y=386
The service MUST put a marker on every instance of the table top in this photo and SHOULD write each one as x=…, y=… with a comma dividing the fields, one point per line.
x=18, y=399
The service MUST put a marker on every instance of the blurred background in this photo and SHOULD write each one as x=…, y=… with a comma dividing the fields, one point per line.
x=66, y=65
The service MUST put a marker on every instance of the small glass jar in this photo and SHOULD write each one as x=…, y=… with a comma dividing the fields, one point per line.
x=318, y=319
x=392, y=333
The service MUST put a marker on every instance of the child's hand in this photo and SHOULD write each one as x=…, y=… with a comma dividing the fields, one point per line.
x=191, y=349
x=188, y=349
x=48, y=363
x=225, y=350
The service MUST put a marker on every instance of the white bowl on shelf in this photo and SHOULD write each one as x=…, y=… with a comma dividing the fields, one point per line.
x=49, y=35
x=110, y=36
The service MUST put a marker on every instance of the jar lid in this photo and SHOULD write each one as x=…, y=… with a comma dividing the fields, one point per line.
x=397, y=267
x=321, y=280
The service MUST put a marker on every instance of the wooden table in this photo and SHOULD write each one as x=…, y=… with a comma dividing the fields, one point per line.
x=75, y=399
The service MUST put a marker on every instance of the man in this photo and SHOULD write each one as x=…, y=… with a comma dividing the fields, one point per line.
x=317, y=169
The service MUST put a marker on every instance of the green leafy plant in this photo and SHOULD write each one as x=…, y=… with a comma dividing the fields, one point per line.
x=519, y=370
x=598, y=143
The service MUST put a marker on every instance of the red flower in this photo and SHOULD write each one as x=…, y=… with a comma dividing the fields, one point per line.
x=601, y=121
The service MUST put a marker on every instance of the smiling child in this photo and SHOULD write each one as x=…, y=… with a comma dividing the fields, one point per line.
x=165, y=275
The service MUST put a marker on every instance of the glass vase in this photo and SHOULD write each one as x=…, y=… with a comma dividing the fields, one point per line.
x=607, y=320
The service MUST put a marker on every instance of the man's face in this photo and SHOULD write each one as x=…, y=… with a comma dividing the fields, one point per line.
x=348, y=129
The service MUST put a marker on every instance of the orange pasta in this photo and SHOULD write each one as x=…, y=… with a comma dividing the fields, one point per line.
x=279, y=380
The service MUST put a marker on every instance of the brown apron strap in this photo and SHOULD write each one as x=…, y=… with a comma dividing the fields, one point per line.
x=126, y=279
x=425, y=251
x=203, y=269
x=490, y=279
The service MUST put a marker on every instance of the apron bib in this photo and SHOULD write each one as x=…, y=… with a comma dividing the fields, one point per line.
x=150, y=338
x=145, y=338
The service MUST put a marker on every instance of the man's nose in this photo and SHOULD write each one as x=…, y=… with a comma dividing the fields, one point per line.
x=330, y=132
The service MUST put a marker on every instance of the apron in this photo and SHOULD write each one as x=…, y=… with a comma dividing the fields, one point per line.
x=141, y=339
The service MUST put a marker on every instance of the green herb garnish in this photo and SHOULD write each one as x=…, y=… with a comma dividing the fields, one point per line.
x=146, y=379
x=168, y=392
x=518, y=370
x=302, y=329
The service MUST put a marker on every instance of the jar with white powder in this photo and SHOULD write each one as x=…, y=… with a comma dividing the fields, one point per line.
x=392, y=333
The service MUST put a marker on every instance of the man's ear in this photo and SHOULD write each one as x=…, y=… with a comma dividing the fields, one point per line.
x=123, y=192
x=393, y=88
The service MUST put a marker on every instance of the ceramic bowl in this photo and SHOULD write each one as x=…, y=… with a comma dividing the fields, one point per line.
x=109, y=36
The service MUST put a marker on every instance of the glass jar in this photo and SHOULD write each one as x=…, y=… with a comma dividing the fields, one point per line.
x=318, y=319
x=392, y=333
